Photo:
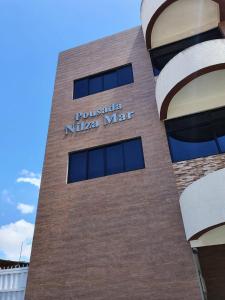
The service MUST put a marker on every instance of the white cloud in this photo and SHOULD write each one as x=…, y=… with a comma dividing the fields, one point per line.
x=33, y=181
x=12, y=236
x=27, y=173
x=30, y=177
x=25, y=208
x=6, y=197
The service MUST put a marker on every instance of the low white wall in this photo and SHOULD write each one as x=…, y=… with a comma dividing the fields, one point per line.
x=13, y=283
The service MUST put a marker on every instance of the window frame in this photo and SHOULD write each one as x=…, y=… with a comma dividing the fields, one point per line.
x=104, y=147
x=102, y=74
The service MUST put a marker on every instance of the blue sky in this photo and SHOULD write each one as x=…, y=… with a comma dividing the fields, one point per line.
x=33, y=32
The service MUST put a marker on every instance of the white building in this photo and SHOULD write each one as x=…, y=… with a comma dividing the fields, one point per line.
x=13, y=280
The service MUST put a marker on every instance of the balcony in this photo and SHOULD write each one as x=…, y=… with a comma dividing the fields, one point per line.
x=203, y=208
x=193, y=81
x=164, y=21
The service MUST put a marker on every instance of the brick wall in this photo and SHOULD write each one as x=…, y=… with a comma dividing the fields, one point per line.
x=188, y=171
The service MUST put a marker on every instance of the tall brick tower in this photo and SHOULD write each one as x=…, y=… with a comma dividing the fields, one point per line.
x=132, y=197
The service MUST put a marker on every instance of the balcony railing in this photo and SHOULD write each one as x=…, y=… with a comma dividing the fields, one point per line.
x=13, y=283
x=164, y=21
x=188, y=65
x=203, y=206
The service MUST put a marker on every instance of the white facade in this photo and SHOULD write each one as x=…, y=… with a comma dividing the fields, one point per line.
x=13, y=283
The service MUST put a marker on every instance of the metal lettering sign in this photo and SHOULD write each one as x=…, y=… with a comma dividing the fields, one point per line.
x=85, y=121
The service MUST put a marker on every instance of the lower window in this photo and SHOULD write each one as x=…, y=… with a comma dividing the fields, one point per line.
x=197, y=135
x=106, y=160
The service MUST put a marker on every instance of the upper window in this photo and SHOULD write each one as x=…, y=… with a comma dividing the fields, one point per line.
x=196, y=135
x=102, y=82
x=107, y=160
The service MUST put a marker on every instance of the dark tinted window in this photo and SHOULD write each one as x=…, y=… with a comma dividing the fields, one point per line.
x=221, y=141
x=133, y=155
x=110, y=80
x=95, y=85
x=182, y=150
x=125, y=75
x=114, y=159
x=197, y=135
x=104, y=81
x=77, y=167
x=107, y=160
x=219, y=129
x=81, y=88
x=96, y=163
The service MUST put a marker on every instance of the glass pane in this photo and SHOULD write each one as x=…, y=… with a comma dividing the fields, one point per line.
x=133, y=153
x=192, y=143
x=96, y=163
x=110, y=80
x=114, y=159
x=221, y=141
x=191, y=121
x=125, y=75
x=219, y=128
x=156, y=71
x=218, y=114
x=95, y=84
x=197, y=134
x=77, y=167
x=80, y=88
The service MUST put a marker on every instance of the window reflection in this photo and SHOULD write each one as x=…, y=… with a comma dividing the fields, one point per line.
x=106, y=160
x=104, y=81
x=182, y=150
x=196, y=135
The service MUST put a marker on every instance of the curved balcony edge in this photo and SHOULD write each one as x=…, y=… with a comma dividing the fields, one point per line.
x=189, y=64
x=151, y=10
x=202, y=204
x=156, y=9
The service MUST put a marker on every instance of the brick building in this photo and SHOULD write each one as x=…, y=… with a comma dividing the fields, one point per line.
x=132, y=196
